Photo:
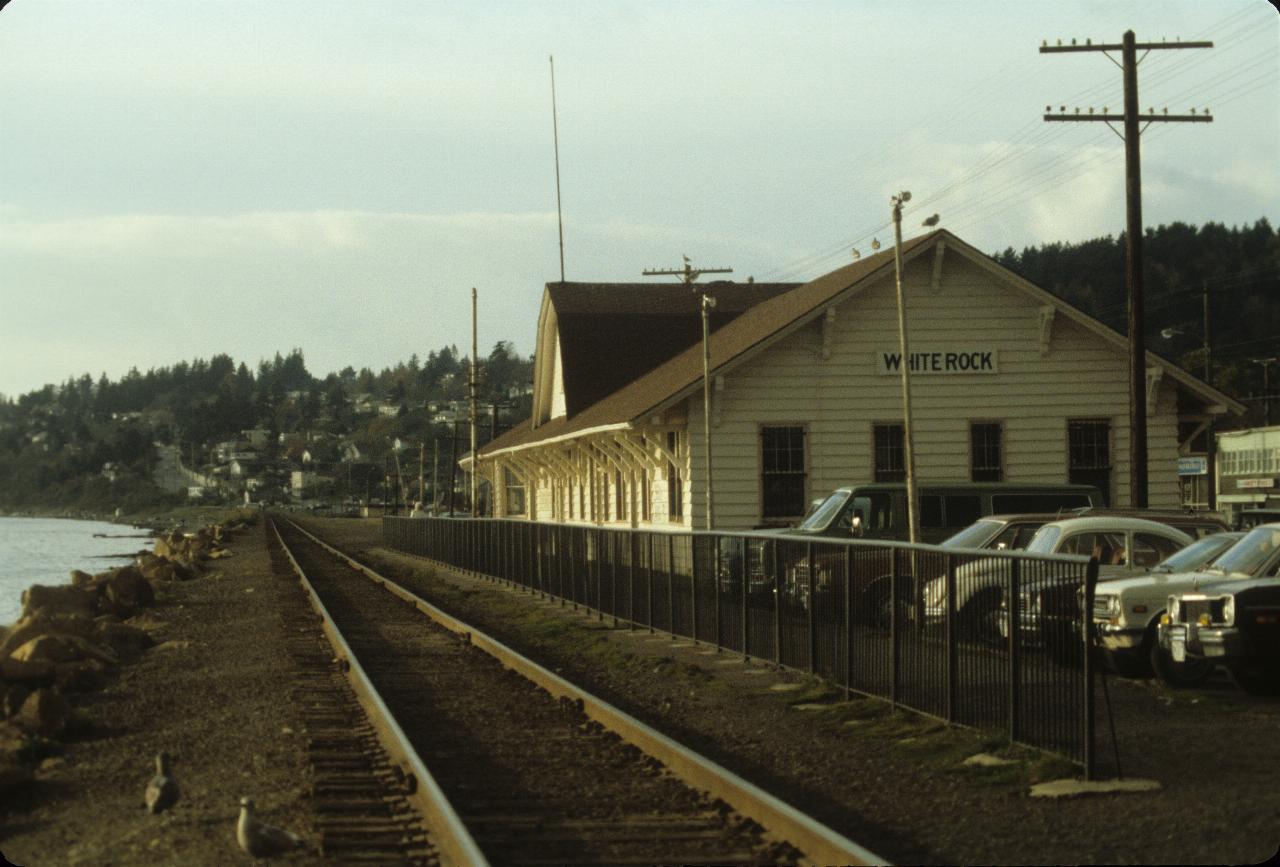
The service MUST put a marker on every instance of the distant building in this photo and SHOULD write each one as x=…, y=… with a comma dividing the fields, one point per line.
x=1248, y=469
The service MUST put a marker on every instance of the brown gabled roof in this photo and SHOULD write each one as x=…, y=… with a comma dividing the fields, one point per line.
x=675, y=378
x=613, y=333
x=659, y=384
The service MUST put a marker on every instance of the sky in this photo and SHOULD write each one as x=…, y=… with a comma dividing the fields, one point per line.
x=181, y=178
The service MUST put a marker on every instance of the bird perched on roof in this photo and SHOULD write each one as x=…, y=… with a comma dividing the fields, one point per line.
x=162, y=791
x=260, y=839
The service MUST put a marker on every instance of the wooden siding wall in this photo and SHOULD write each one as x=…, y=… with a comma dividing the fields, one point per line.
x=838, y=399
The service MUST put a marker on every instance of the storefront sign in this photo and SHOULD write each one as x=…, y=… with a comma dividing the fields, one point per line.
x=939, y=361
x=1197, y=466
x=1255, y=483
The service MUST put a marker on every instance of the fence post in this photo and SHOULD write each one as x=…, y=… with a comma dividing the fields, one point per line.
x=632, y=553
x=671, y=583
x=745, y=578
x=599, y=536
x=893, y=629
x=813, y=603
x=715, y=581
x=774, y=559
x=649, y=581
x=848, y=621
x=1086, y=631
x=953, y=658
x=1015, y=655
x=693, y=584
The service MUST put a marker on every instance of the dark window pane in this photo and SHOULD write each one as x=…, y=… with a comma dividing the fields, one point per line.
x=890, y=461
x=963, y=510
x=782, y=471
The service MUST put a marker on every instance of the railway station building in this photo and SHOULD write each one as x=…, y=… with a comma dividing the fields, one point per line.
x=1009, y=383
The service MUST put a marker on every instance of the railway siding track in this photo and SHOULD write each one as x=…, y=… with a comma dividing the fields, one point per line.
x=539, y=771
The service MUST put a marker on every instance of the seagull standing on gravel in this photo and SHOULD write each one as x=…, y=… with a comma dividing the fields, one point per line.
x=260, y=839
x=162, y=791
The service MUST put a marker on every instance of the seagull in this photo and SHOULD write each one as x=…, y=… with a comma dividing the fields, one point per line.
x=260, y=839
x=162, y=791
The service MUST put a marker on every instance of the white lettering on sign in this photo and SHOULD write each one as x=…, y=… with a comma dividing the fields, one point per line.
x=941, y=361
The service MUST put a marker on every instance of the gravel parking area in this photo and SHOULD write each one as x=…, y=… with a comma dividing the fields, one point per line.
x=896, y=782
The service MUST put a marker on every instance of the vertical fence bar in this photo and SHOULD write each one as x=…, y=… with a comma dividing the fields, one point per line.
x=671, y=582
x=693, y=584
x=745, y=577
x=1086, y=632
x=811, y=586
x=1015, y=655
x=775, y=558
x=848, y=621
x=649, y=581
x=953, y=658
x=715, y=581
x=893, y=629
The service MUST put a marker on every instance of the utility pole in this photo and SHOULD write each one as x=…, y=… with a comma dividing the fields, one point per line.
x=1266, y=386
x=475, y=349
x=908, y=442
x=1210, y=443
x=1133, y=226
x=688, y=274
x=555, y=131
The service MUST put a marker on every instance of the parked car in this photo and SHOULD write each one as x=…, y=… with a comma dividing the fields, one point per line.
x=1123, y=546
x=1232, y=616
x=881, y=508
x=1126, y=612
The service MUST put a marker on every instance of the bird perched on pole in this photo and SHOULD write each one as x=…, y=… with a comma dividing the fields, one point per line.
x=260, y=839
x=162, y=791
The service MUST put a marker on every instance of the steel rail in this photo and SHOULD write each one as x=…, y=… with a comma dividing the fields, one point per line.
x=448, y=834
x=781, y=822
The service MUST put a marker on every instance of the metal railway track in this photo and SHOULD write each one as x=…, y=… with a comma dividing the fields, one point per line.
x=538, y=771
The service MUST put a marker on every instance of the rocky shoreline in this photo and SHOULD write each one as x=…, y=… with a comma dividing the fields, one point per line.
x=178, y=652
x=70, y=638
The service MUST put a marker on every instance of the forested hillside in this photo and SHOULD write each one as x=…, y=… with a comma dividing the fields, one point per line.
x=1239, y=267
x=88, y=444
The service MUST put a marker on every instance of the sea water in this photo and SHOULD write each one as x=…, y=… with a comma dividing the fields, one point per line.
x=45, y=550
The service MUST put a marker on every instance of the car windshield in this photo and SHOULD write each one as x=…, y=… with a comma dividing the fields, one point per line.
x=975, y=535
x=1198, y=553
x=1251, y=553
x=1045, y=540
x=823, y=515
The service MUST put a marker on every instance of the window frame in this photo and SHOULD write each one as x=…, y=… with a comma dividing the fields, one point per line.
x=999, y=468
x=888, y=475
x=1103, y=477
x=803, y=428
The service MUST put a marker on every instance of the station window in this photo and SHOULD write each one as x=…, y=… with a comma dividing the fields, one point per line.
x=514, y=492
x=890, y=463
x=1089, y=454
x=782, y=471
x=986, y=452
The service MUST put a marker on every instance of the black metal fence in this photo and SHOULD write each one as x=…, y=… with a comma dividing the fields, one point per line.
x=989, y=639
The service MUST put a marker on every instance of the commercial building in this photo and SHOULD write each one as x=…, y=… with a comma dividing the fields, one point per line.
x=1248, y=469
x=1010, y=383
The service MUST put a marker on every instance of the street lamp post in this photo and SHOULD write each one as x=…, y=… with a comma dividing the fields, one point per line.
x=908, y=448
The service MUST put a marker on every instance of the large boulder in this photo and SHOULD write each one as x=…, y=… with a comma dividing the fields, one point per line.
x=44, y=712
x=124, y=640
x=13, y=775
x=41, y=624
x=65, y=599
x=27, y=671
x=170, y=545
x=84, y=675
x=158, y=569
x=58, y=648
x=14, y=694
x=126, y=592
x=80, y=578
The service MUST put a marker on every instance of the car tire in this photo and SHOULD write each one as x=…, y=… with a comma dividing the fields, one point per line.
x=1255, y=679
x=1134, y=664
x=976, y=619
x=1179, y=675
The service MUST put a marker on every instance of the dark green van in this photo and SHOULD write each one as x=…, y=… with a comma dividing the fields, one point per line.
x=944, y=508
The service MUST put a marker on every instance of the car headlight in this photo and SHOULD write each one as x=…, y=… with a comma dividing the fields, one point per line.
x=1229, y=610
